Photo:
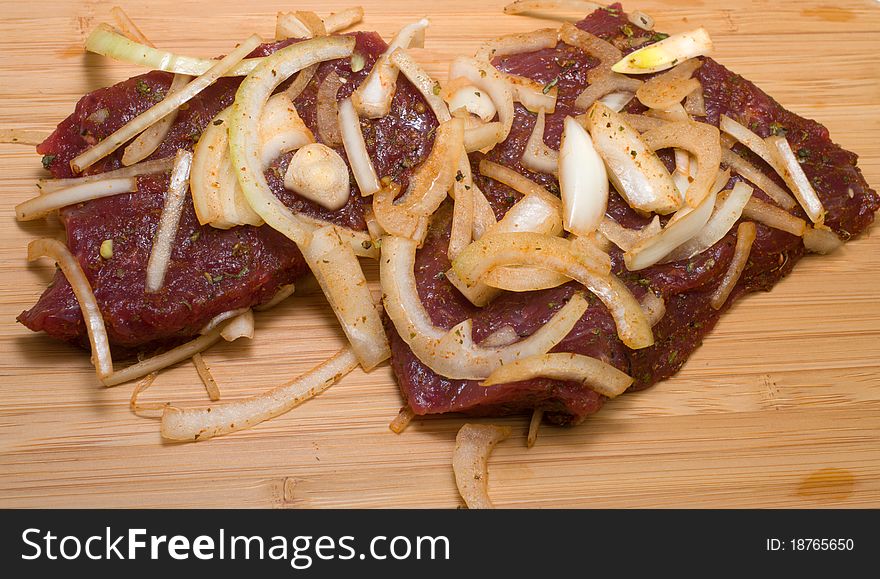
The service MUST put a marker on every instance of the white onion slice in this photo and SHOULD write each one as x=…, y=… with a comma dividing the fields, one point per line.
x=343, y=19
x=372, y=99
x=793, y=175
x=772, y=216
x=518, y=43
x=564, y=257
x=206, y=376
x=38, y=207
x=105, y=41
x=666, y=53
x=244, y=134
x=597, y=375
x=220, y=318
x=319, y=174
x=281, y=128
x=402, y=420
x=144, y=168
x=287, y=25
x=745, y=136
x=745, y=236
x=161, y=109
x=474, y=101
x=580, y=6
x=617, y=101
x=487, y=78
x=473, y=444
x=538, y=156
x=340, y=276
x=822, y=241
x=626, y=238
x=462, y=229
x=169, y=358
x=72, y=270
x=758, y=177
x=241, y=326
x=356, y=149
x=422, y=81
x=163, y=242
x=532, y=94
x=202, y=423
x=634, y=169
x=148, y=141
x=517, y=182
x=723, y=219
x=453, y=353
x=583, y=181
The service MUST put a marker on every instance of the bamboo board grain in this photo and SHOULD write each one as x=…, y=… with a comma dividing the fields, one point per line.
x=779, y=408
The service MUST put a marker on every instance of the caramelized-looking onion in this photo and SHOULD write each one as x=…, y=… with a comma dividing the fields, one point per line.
x=486, y=77
x=773, y=216
x=319, y=174
x=723, y=219
x=745, y=236
x=670, y=87
x=44, y=204
x=327, y=116
x=163, y=242
x=758, y=177
x=372, y=99
x=402, y=420
x=302, y=80
x=72, y=270
x=517, y=44
x=583, y=181
x=407, y=217
x=595, y=374
x=606, y=85
x=148, y=141
x=207, y=378
x=634, y=169
x=470, y=462
x=626, y=238
x=695, y=104
x=821, y=240
x=244, y=133
x=202, y=423
x=791, y=172
x=607, y=53
x=531, y=94
x=356, y=149
x=159, y=110
x=666, y=53
x=537, y=156
x=453, y=353
x=699, y=139
x=342, y=280
x=564, y=257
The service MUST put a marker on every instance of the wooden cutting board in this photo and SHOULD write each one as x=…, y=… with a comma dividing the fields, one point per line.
x=779, y=408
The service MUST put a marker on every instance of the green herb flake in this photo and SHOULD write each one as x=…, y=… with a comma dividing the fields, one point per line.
x=143, y=88
x=549, y=86
x=627, y=30
x=47, y=161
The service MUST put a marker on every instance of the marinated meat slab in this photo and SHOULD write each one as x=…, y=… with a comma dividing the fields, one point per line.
x=685, y=286
x=212, y=270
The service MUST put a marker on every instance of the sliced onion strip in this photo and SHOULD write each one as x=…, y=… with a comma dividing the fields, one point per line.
x=666, y=53
x=583, y=180
x=161, y=109
x=160, y=361
x=538, y=156
x=671, y=87
x=517, y=182
x=319, y=174
x=758, y=177
x=486, y=77
x=597, y=375
x=462, y=229
x=327, y=116
x=470, y=462
x=72, y=270
x=202, y=423
x=821, y=240
x=241, y=326
x=534, y=425
x=40, y=206
x=453, y=353
x=793, y=175
x=774, y=217
x=244, y=134
x=745, y=236
x=422, y=81
x=163, y=242
x=343, y=19
x=723, y=219
x=700, y=140
x=148, y=141
x=356, y=149
x=626, y=238
x=518, y=43
x=340, y=276
x=634, y=169
x=207, y=378
x=144, y=168
x=402, y=420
